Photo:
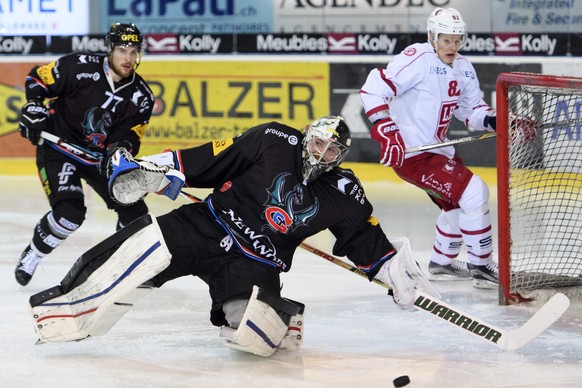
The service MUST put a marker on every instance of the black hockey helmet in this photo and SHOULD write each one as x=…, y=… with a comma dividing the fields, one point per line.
x=123, y=34
x=325, y=145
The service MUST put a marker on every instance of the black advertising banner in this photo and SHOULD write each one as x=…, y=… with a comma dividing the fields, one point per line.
x=515, y=44
x=155, y=44
x=494, y=44
x=281, y=44
x=78, y=43
x=189, y=43
x=330, y=43
x=22, y=45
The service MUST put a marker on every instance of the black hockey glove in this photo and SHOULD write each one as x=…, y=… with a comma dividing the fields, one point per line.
x=34, y=118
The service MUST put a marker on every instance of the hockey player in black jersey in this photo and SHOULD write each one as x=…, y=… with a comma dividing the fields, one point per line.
x=96, y=102
x=273, y=186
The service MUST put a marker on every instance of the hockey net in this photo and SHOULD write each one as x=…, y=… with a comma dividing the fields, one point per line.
x=539, y=187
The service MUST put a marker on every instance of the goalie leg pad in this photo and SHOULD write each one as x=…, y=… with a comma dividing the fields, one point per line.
x=261, y=328
x=92, y=299
x=294, y=336
x=119, y=308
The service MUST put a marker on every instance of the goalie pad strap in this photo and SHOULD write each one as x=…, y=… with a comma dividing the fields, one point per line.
x=294, y=336
x=103, y=292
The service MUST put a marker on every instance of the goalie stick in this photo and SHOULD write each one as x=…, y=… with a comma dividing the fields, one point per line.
x=502, y=338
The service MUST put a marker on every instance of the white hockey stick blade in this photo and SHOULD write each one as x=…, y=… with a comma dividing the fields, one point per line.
x=540, y=321
x=504, y=339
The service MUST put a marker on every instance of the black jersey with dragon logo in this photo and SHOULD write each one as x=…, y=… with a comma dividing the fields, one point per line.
x=263, y=202
x=87, y=107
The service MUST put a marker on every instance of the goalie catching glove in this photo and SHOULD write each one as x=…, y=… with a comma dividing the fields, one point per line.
x=132, y=179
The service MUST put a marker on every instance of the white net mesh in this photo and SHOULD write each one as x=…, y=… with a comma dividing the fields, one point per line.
x=545, y=190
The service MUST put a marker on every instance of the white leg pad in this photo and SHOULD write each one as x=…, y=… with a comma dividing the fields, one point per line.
x=119, y=308
x=95, y=305
x=294, y=336
x=260, y=332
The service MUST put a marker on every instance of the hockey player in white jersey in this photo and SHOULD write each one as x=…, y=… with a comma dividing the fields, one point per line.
x=411, y=103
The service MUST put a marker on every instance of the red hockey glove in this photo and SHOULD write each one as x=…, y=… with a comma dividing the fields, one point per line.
x=523, y=129
x=386, y=133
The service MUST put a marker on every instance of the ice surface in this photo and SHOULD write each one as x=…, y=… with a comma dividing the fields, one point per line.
x=354, y=334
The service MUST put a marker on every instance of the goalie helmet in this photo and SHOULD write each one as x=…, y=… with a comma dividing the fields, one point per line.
x=445, y=21
x=325, y=145
x=123, y=34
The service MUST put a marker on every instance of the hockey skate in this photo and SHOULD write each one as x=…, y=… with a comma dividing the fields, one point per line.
x=456, y=270
x=484, y=276
x=26, y=266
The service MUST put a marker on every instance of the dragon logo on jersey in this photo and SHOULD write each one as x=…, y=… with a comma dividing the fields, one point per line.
x=96, y=125
x=283, y=210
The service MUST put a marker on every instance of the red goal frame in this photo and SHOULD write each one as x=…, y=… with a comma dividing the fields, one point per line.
x=504, y=81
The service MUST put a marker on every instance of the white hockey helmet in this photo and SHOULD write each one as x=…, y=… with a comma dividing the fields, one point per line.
x=445, y=21
x=325, y=145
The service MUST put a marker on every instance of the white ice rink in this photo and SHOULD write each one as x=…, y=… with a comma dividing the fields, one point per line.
x=354, y=334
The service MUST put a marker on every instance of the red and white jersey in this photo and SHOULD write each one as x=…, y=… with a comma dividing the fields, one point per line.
x=421, y=94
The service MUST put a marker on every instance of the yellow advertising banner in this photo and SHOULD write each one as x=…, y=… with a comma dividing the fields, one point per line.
x=197, y=102
x=11, y=100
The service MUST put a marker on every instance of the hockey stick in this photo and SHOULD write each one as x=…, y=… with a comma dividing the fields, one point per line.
x=95, y=156
x=504, y=339
x=78, y=151
x=487, y=135
x=462, y=140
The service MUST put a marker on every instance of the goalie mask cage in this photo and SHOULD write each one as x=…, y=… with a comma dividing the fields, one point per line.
x=539, y=186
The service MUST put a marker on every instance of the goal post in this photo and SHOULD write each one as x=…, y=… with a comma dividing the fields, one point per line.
x=539, y=185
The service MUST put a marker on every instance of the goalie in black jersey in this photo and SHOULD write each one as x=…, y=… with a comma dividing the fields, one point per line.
x=95, y=102
x=273, y=186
